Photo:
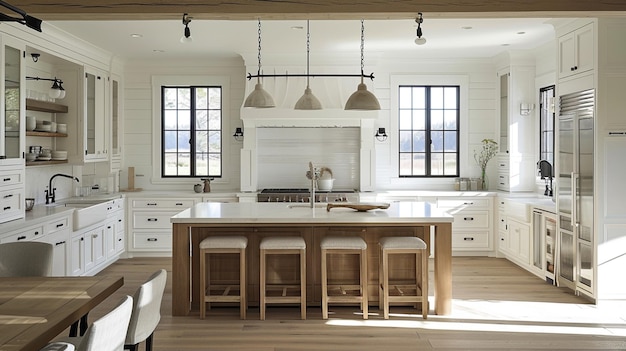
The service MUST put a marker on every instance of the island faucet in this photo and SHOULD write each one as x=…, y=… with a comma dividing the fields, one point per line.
x=50, y=195
x=313, y=174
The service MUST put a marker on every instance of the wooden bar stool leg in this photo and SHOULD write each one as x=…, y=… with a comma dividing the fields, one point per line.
x=385, y=284
x=262, y=285
x=203, y=272
x=243, y=305
x=303, y=284
x=425, y=307
x=381, y=300
x=324, y=287
x=364, y=287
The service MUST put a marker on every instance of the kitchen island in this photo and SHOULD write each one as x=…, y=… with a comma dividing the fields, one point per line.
x=257, y=220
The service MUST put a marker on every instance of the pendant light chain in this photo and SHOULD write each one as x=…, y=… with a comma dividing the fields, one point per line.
x=308, y=49
x=259, y=55
x=362, y=48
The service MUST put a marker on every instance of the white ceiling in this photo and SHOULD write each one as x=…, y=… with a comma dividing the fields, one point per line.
x=446, y=38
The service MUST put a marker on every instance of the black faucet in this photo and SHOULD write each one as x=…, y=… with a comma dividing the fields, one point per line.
x=50, y=191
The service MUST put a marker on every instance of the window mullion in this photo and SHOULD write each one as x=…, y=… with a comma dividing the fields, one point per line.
x=429, y=145
x=192, y=132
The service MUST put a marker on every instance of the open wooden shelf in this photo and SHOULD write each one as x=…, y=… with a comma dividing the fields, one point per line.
x=45, y=134
x=43, y=163
x=45, y=106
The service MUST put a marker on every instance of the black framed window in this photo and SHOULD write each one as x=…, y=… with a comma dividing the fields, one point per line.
x=546, y=124
x=428, y=120
x=191, y=131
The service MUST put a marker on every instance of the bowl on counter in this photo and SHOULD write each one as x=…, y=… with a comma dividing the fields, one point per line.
x=62, y=128
x=29, y=203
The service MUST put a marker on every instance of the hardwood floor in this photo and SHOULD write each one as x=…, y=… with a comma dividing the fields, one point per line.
x=496, y=306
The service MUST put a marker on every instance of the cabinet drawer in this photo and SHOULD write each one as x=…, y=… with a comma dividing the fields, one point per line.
x=11, y=204
x=503, y=164
x=503, y=181
x=153, y=241
x=29, y=234
x=478, y=219
x=463, y=204
x=153, y=220
x=11, y=177
x=58, y=225
x=163, y=203
x=470, y=240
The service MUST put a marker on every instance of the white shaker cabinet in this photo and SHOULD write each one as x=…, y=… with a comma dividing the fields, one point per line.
x=576, y=51
x=472, y=227
x=95, y=137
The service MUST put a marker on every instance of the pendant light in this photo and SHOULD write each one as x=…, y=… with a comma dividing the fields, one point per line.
x=259, y=98
x=362, y=99
x=308, y=101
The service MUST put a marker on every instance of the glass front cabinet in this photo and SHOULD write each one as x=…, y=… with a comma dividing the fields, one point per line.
x=95, y=138
x=12, y=104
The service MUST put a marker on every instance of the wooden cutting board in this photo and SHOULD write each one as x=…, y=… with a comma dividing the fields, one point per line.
x=361, y=207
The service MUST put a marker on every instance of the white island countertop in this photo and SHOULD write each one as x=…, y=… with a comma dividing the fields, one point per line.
x=294, y=213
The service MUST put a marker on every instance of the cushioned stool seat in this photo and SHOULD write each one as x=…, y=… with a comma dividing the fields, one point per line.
x=282, y=245
x=414, y=291
x=223, y=245
x=344, y=245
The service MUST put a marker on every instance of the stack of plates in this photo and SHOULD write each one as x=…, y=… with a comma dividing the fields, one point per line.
x=43, y=127
x=59, y=155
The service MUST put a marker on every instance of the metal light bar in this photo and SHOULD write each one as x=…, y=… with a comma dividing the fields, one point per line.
x=286, y=75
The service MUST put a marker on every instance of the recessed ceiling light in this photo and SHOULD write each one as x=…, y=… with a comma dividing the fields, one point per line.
x=521, y=33
x=505, y=44
x=467, y=27
x=297, y=27
x=135, y=35
x=158, y=50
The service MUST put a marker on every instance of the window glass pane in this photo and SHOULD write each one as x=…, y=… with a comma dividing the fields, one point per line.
x=405, y=141
x=450, y=163
x=170, y=119
x=404, y=96
x=170, y=142
x=184, y=164
x=419, y=119
x=215, y=141
x=183, y=141
x=450, y=141
x=202, y=143
x=184, y=99
x=170, y=164
x=449, y=98
x=405, y=119
x=202, y=122
x=436, y=164
x=450, y=117
x=202, y=164
x=419, y=164
x=405, y=164
x=419, y=141
x=215, y=164
x=436, y=120
x=202, y=100
x=169, y=98
x=215, y=98
x=419, y=98
x=184, y=119
x=436, y=97
x=215, y=120
x=437, y=141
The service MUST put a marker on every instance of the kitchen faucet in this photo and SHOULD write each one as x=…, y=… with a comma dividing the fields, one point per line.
x=313, y=174
x=50, y=195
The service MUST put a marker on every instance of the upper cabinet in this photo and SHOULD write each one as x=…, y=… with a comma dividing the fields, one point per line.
x=576, y=51
x=115, y=116
x=11, y=105
x=95, y=138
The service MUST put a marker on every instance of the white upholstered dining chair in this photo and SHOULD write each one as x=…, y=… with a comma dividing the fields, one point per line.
x=146, y=311
x=105, y=334
x=25, y=259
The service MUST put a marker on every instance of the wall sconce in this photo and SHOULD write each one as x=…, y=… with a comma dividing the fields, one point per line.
x=238, y=134
x=56, y=91
x=381, y=135
x=35, y=56
x=525, y=109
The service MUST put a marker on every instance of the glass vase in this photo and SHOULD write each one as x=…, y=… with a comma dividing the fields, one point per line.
x=483, y=180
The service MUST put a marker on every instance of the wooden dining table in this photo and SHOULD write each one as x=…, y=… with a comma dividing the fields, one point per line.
x=34, y=310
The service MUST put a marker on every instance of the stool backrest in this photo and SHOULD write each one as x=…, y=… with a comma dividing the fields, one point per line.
x=25, y=259
x=108, y=332
x=146, y=308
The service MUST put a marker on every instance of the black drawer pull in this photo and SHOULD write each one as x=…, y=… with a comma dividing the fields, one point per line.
x=7, y=208
x=59, y=225
x=108, y=227
x=153, y=239
x=468, y=218
x=179, y=204
x=8, y=196
x=152, y=219
x=7, y=179
x=120, y=239
x=21, y=237
x=468, y=203
x=151, y=204
x=60, y=243
x=82, y=239
x=468, y=239
x=36, y=233
x=119, y=220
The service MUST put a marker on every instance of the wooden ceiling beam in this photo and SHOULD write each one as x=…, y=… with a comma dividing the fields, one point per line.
x=314, y=9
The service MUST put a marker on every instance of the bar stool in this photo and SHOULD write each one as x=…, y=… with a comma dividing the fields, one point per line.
x=282, y=245
x=344, y=245
x=222, y=245
x=403, y=245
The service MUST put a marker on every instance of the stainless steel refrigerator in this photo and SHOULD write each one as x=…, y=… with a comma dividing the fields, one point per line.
x=575, y=191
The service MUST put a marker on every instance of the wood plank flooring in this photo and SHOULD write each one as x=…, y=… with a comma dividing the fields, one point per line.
x=496, y=306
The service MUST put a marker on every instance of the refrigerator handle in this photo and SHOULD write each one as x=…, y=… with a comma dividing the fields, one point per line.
x=574, y=219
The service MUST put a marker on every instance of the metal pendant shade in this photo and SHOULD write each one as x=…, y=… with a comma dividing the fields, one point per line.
x=308, y=101
x=362, y=99
x=259, y=98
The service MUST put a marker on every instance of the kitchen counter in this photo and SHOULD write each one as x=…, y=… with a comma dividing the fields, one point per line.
x=256, y=220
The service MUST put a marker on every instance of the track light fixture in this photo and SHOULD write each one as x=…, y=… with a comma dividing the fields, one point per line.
x=186, y=38
x=28, y=21
x=419, y=40
x=56, y=90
